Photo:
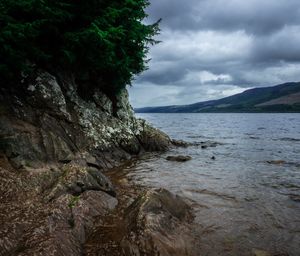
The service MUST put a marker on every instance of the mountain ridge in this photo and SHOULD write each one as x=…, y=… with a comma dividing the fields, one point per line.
x=280, y=98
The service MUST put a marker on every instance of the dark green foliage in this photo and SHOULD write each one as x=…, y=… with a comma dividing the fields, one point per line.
x=104, y=43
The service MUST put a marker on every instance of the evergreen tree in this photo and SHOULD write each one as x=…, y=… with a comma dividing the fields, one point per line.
x=104, y=43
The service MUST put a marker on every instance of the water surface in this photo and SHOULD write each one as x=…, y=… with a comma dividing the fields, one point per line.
x=243, y=200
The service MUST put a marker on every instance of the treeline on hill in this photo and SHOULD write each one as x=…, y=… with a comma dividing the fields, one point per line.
x=104, y=43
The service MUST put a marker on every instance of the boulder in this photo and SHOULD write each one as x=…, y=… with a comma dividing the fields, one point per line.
x=153, y=139
x=158, y=224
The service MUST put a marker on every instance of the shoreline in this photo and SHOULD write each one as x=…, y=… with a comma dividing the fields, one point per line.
x=112, y=226
x=55, y=149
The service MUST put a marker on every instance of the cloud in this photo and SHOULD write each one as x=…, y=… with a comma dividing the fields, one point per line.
x=215, y=48
x=254, y=16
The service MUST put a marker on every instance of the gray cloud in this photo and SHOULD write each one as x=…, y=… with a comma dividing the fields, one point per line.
x=254, y=16
x=215, y=48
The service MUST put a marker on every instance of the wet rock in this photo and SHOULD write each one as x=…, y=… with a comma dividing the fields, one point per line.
x=158, y=225
x=209, y=144
x=277, y=162
x=91, y=204
x=77, y=179
x=295, y=198
x=181, y=143
x=179, y=158
x=202, y=144
x=153, y=139
x=31, y=226
x=257, y=252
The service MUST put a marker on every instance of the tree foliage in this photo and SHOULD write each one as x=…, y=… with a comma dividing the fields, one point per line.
x=104, y=43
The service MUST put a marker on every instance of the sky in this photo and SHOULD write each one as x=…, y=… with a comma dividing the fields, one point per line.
x=216, y=48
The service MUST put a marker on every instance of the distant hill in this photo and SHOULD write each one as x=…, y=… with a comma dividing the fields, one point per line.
x=280, y=98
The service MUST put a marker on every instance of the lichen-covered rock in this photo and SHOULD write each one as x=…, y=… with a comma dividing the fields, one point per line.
x=51, y=122
x=158, y=225
x=46, y=93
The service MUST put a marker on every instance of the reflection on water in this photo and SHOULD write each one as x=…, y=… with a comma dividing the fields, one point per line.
x=248, y=197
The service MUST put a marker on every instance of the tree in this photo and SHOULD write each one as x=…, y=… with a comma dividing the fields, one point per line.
x=104, y=43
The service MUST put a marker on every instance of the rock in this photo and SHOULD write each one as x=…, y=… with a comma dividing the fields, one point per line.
x=295, y=198
x=51, y=123
x=91, y=204
x=50, y=127
x=202, y=144
x=153, y=139
x=181, y=143
x=46, y=93
x=31, y=226
x=158, y=225
x=77, y=179
x=103, y=102
x=209, y=144
x=277, y=162
x=260, y=253
x=179, y=158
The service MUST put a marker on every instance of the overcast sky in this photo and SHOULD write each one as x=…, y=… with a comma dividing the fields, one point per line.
x=215, y=48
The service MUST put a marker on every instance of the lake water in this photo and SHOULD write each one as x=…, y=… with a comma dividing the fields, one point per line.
x=242, y=200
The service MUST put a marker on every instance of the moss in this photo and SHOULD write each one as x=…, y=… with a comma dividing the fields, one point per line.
x=73, y=201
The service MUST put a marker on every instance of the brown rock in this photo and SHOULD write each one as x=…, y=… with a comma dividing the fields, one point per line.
x=158, y=225
x=179, y=158
x=278, y=162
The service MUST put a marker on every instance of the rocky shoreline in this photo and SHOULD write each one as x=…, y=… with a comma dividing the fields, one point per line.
x=56, y=197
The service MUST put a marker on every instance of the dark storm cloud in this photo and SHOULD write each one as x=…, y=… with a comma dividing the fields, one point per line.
x=215, y=48
x=255, y=16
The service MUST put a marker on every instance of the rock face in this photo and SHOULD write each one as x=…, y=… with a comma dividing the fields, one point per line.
x=54, y=149
x=157, y=225
x=51, y=122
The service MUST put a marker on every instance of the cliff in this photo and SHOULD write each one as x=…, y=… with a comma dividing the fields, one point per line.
x=54, y=150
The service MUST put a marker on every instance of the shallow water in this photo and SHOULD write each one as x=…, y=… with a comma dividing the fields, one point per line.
x=242, y=200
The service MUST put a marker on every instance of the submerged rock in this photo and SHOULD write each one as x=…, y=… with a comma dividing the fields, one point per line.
x=202, y=144
x=178, y=158
x=181, y=143
x=278, y=162
x=295, y=198
x=158, y=224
